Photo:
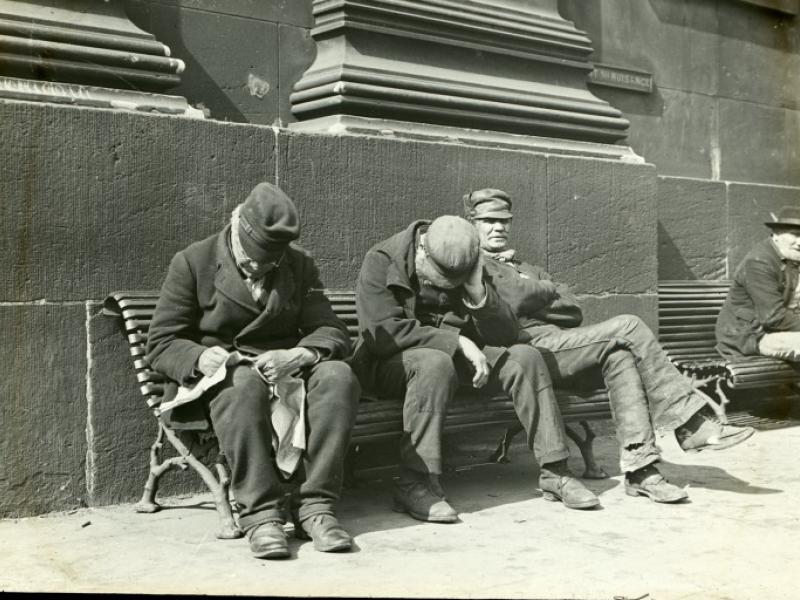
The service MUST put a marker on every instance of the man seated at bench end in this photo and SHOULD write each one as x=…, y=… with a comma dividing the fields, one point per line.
x=644, y=388
x=430, y=321
x=761, y=314
x=246, y=289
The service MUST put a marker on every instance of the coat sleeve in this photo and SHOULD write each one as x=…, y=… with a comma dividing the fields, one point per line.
x=759, y=280
x=495, y=321
x=320, y=327
x=564, y=310
x=385, y=328
x=172, y=345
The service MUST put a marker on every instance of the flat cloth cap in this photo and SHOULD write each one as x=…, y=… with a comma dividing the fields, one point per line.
x=268, y=221
x=452, y=246
x=488, y=203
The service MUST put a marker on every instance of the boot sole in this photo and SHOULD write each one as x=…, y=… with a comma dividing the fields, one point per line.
x=635, y=492
x=553, y=497
x=272, y=554
x=400, y=508
x=725, y=443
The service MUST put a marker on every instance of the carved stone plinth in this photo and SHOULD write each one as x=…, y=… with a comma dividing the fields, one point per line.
x=482, y=70
x=85, y=52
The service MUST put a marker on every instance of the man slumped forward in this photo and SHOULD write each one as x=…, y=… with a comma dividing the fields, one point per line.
x=247, y=289
x=430, y=321
x=761, y=314
x=644, y=388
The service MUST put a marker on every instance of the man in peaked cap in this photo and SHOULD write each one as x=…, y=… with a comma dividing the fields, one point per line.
x=644, y=388
x=431, y=321
x=761, y=314
x=247, y=289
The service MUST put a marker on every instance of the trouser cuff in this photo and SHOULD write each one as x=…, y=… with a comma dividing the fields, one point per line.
x=310, y=509
x=553, y=456
x=251, y=521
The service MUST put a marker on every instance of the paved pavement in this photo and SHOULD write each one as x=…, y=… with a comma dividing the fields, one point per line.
x=738, y=538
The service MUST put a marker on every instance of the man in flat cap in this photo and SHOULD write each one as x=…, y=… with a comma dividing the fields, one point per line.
x=761, y=314
x=247, y=289
x=644, y=388
x=431, y=321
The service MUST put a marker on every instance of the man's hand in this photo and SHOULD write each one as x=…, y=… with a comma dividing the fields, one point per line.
x=548, y=289
x=211, y=359
x=275, y=364
x=474, y=287
x=477, y=359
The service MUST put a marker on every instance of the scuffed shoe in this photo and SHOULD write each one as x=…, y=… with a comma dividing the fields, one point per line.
x=326, y=532
x=559, y=484
x=649, y=482
x=268, y=540
x=704, y=431
x=415, y=497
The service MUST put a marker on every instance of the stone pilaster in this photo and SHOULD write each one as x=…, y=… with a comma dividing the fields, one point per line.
x=85, y=52
x=498, y=72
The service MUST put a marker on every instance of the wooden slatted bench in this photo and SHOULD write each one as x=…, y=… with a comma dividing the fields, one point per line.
x=687, y=314
x=377, y=420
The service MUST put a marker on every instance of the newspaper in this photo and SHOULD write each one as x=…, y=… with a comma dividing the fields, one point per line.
x=287, y=409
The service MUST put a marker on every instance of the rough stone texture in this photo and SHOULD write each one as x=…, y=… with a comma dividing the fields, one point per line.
x=759, y=54
x=97, y=200
x=600, y=308
x=42, y=408
x=353, y=192
x=748, y=208
x=123, y=428
x=692, y=229
x=601, y=219
x=759, y=143
x=669, y=128
x=231, y=61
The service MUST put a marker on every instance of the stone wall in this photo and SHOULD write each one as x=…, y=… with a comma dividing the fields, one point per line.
x=96, y=201
x=726, y=100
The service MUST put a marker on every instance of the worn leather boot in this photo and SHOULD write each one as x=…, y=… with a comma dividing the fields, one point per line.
x=413, y=494
x=268, y=540
x=704, y=431
x=649, y=482
x=559, y=484
x=326, y=532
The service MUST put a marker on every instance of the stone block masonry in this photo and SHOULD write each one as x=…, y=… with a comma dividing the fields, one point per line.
x=95, y=201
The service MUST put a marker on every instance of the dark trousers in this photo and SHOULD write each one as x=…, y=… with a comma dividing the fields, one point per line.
x=240, y=414
x=644, y=388
x=428, y=380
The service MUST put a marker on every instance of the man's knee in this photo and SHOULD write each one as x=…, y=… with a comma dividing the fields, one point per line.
x=338, y=377
x=526, y=360
x=431, y=367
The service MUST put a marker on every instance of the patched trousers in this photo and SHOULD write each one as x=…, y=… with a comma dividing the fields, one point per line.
x=427, y=379
x=645, y=390
x=240, y=414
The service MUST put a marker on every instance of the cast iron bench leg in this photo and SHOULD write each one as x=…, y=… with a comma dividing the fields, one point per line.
x=148, y=502
x=500, y=455
x=585, y=445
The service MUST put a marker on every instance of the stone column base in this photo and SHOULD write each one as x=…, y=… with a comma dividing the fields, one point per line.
x=13, y=88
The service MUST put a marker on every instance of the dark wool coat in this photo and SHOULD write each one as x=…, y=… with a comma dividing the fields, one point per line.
x=518, y=283
x=756, y=303
x=386, y=295
x=205, y=302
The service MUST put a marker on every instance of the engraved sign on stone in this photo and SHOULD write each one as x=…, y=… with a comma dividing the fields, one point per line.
x=618, y=77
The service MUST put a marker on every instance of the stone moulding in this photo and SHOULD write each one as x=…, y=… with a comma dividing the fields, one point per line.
x=511, y=66
x=85, y=52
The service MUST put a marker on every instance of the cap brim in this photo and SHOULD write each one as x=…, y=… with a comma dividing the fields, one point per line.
x=257, y=252
x=494, y=214
x=441, y=279
x=783, y=224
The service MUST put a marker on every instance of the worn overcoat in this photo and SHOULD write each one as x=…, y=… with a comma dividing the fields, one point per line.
x=756, y=303
x=386, y=297
x=205, y=302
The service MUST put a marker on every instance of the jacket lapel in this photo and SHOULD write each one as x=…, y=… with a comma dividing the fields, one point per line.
x=281, y=293
x=228, y=281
